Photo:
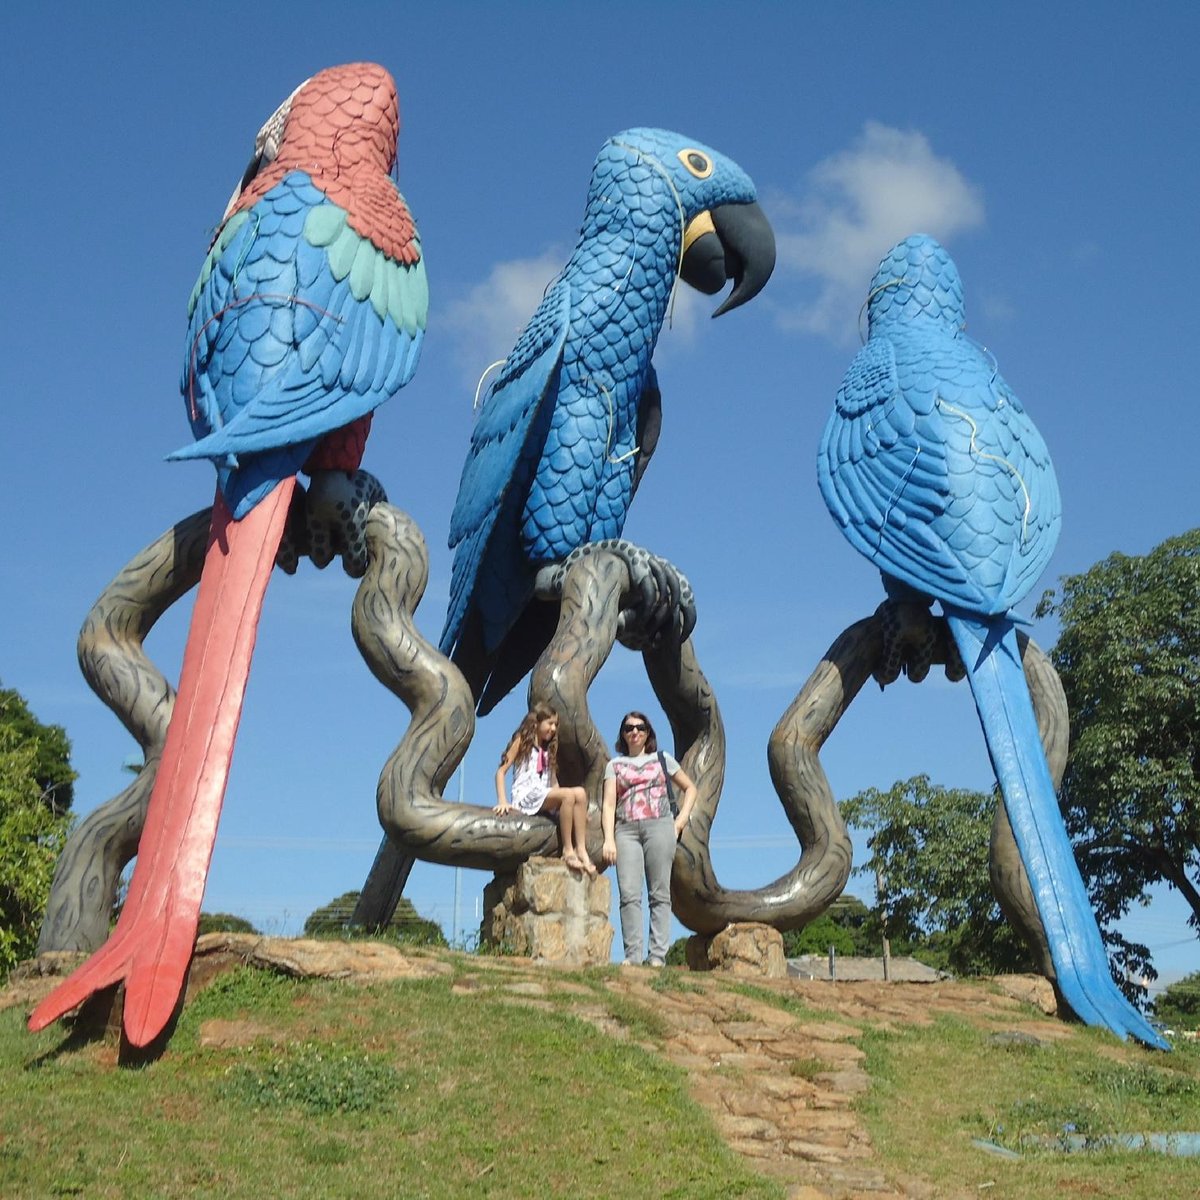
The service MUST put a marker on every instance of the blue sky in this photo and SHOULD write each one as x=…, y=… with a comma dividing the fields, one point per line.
x=1048, y=146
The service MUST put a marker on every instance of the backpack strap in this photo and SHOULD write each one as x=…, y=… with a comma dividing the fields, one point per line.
x=662, y=762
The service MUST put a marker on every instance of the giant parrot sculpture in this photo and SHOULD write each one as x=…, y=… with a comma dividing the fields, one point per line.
x=933, y=471
x=308, y=314
x=572, y=417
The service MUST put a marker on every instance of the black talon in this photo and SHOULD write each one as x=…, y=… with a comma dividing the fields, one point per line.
x=687, y=620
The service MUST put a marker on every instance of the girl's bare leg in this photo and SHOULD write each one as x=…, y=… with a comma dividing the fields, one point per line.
x=560, y=800
x=580, y=813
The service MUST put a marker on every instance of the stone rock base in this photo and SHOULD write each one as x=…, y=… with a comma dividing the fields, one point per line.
x=550, y=913
x=745, y=949
x=1029, y=989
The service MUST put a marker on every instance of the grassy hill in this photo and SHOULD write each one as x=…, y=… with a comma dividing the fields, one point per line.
x=496, y=1078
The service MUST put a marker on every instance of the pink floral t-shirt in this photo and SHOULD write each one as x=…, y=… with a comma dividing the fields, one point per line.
x=641, y=786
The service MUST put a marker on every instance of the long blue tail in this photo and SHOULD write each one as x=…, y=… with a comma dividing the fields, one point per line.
x=989, y=651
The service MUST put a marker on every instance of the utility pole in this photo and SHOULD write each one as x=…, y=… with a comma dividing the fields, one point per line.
x=881, y=900
x=462, y=785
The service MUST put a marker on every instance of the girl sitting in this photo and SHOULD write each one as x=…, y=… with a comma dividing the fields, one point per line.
x=533, y=755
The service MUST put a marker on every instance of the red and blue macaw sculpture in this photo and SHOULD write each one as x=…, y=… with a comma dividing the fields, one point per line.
x=308, y=314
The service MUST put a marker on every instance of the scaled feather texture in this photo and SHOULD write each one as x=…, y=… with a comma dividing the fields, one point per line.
x=307, y=315
x=933, y=471
x=554, y=456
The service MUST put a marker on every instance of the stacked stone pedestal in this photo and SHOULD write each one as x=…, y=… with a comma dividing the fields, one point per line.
x=549, y=913
x=745, y=948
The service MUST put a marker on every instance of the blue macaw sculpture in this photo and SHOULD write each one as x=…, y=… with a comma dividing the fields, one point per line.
x=934, y=472
x=308, y=314
x=572, y=418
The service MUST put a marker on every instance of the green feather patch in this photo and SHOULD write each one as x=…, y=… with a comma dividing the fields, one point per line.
x=395, y=290
x=228, y=233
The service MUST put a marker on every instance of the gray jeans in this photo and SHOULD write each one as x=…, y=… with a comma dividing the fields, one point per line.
x=645, y=852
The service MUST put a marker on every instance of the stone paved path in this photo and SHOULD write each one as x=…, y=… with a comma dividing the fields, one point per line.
x=780, y=1083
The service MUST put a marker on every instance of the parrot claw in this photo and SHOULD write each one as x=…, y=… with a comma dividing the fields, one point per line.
x=659, y=606
x=913, y=640
x=294, y=544
x=330, y=520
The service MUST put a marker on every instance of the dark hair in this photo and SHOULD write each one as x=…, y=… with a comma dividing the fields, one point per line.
x=651, y=739
x=525, y=736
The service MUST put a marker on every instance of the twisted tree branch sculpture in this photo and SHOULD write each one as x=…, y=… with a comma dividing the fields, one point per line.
x=595, y=613
x=411, y=807
x=324, y=522
x=596, y=592
x=119, y=672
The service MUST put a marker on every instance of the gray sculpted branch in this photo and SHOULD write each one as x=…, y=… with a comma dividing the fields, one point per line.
x=324, y=522
x=411, y=807
x=600, y=604
x=603, y=600
x=116, y=666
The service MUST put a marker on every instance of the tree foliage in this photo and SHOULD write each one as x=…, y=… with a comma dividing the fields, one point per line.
x=406, y=925
x=847, y=925
x=1129, y=658
x=51, y=750
x=929, y=851
x=33, y=823
x=223, y=923
x=1178, y=1005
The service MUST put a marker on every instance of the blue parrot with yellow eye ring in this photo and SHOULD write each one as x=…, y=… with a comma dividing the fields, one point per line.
x=573, y=416
x=933, y=471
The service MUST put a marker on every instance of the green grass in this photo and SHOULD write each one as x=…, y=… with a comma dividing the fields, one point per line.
x=935, y=1089
x=415, y=1090
x=397, y=1089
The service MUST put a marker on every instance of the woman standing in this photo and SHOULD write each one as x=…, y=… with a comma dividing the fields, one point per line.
x=640, y=833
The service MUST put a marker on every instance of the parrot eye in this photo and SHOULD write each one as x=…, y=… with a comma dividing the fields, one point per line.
x=697, y=162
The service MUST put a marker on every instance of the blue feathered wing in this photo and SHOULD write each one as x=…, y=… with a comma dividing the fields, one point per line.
x=505, y=449
x=934, y=473
x=297, y=327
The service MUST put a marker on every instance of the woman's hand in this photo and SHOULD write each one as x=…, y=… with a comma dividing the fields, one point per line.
x=681, y=822
x=502, y=809
x=609, y=852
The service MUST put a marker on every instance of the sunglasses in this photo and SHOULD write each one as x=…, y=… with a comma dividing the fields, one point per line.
x=633, y=727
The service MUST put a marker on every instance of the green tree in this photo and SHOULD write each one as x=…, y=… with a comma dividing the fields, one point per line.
x=1179, y=1004
x=1129, y=658
x=847, y=925
x=51, y=753
x=223, y=923
x=816, y=938
x=929, y=847
x=33, y=823
x=406, y=925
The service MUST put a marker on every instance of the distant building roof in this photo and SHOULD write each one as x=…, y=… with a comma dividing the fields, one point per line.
x=850, y=968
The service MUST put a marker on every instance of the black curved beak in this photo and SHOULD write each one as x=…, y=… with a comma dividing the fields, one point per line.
x=732, y=241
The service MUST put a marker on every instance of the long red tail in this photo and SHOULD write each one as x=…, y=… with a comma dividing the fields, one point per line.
x=152, y=944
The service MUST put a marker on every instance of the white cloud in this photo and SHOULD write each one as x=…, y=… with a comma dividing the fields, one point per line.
x=858, y=203
x=489, y=318
x=689, y=308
